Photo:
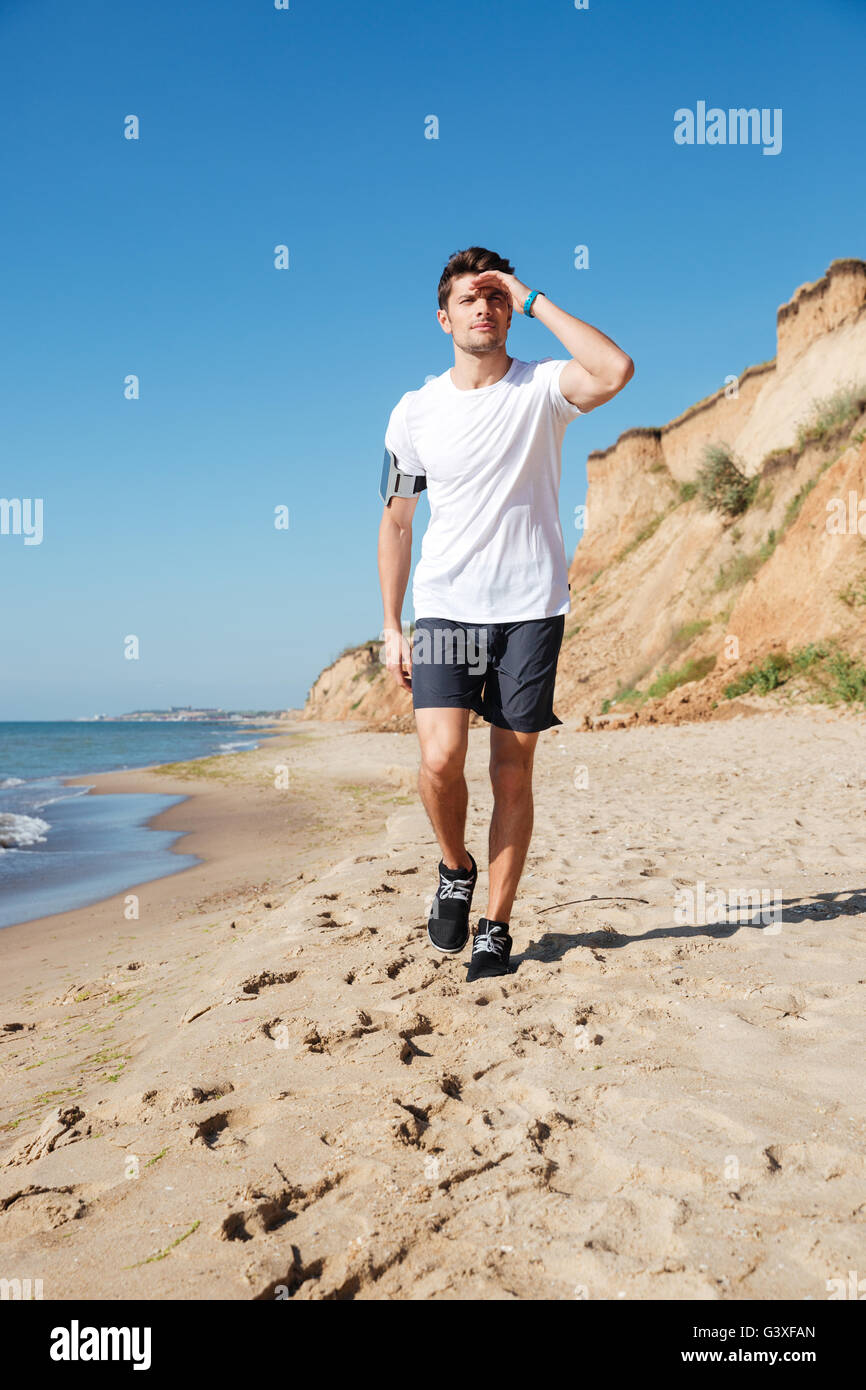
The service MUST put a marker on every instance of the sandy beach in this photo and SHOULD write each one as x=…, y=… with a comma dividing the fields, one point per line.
x=268, y=1085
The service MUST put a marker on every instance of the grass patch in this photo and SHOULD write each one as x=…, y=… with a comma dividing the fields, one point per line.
x=643, y=535
x=834, y=675
x=741, y=568
x=766, y=548
x=848, y=676
x=352, y=650
x=792, y=511
x=762, y=678
x=736, y=571
x=764, y=497
x=854, y=594
x=688, y=491
x=161, y=1254
x=218, y=768
x=831, y=413
x=722, y=483
x=58, y=1057
x=687, y=632
x=624, y=694
x=108, y=1054
x=666, y=680
x=109, y=1057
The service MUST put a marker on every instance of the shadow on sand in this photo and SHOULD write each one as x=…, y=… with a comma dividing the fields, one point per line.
x=553, y=945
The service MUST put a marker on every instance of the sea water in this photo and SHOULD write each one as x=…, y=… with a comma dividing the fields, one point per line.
x=61, y=848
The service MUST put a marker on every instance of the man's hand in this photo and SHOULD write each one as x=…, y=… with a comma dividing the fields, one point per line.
x=513, y=287
x=398, y=655
x=598, y=369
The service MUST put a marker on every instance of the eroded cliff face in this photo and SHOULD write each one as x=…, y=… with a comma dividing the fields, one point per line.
x=721, y=596
x=355, y=686
x=659, y=583
x=821, y=344
x=819, y=308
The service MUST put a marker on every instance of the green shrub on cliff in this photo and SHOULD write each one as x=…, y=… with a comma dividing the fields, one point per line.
x=721, y=482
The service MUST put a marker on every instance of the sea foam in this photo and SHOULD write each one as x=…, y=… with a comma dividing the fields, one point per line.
x=18, y=831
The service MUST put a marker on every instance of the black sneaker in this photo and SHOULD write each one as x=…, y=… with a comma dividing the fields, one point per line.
x=448, y=924
x=491, y=951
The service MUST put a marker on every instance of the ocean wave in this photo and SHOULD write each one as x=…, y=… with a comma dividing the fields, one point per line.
x=12, y=782
x=17, y=831
x=67, y=794
x=233, y=747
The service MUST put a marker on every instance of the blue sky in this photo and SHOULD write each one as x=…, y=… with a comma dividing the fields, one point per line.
x=261, y=387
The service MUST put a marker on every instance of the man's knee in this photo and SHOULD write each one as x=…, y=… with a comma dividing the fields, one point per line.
x=511, y=778
x=442, y=763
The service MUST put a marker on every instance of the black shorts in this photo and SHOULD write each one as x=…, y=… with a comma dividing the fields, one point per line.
x=504, y=671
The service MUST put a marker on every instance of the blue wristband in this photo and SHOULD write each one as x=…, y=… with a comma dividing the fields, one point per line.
x=528, y=302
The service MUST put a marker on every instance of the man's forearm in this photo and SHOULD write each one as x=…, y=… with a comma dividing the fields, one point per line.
x=395, y=562
x=595, y=352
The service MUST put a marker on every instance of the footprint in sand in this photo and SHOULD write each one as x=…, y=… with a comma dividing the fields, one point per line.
x=33, y=1209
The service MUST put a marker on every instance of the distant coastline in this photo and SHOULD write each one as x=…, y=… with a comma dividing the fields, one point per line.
x=176, y=714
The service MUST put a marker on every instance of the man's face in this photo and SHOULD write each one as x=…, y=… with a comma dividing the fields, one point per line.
x=478, y=320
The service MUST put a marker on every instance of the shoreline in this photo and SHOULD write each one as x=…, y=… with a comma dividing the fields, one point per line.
x=228, y=819
x=148, y=779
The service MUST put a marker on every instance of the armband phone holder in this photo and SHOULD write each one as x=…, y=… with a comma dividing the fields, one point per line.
x=395, y=483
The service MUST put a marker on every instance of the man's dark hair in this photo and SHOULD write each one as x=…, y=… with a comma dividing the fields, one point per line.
x=470, y=262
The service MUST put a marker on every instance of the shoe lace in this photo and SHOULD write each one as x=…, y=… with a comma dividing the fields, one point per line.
x=488, y=941
x=455, y=888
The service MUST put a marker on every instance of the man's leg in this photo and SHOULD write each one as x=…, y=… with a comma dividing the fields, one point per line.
x=444, y=735
x=511, y=760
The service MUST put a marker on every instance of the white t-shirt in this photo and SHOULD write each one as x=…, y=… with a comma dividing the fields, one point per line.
x=493, y=550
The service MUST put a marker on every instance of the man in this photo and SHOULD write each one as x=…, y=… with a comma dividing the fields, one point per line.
x=491, y=588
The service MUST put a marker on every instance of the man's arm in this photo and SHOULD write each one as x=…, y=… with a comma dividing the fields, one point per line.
x=598, y=369
x=395, y=562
